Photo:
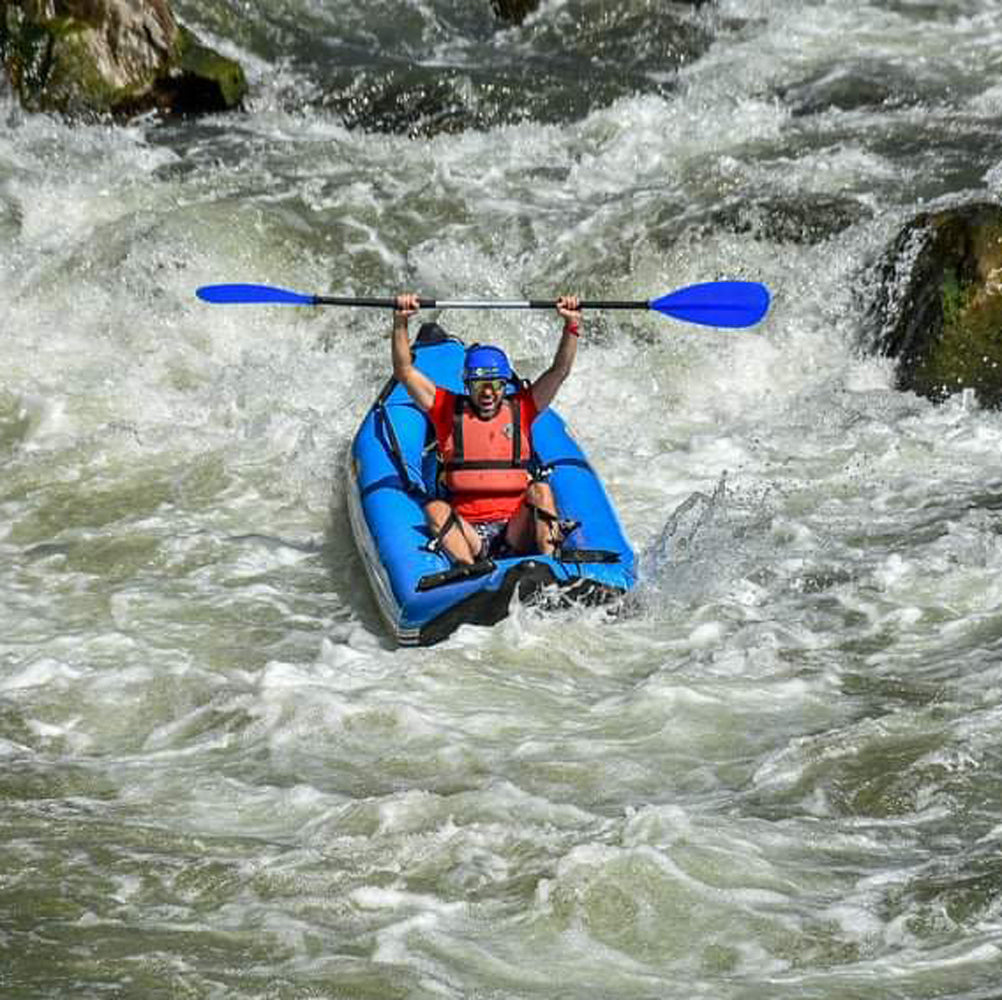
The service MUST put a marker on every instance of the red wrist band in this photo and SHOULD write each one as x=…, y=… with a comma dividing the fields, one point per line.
x=573, y=328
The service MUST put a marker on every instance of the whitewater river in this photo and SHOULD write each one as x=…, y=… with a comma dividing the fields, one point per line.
x=777, y=774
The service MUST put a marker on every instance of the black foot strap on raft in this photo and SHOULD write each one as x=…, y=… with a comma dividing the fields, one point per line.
x=570, y=555
x=481, y=566
x=559, y=530
x=586, y=555
x=452, y=521
x=567, y=554
x=461, y=571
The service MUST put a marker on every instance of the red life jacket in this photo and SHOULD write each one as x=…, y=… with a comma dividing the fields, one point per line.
x=487, y=456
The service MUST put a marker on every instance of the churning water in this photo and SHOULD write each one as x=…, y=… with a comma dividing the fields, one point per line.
x=776, y=775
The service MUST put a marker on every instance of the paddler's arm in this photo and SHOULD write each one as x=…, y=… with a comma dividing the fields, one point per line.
x=420, y=388
x=545, y=387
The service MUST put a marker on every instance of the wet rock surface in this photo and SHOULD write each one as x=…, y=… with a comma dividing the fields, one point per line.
x=112, y=57
x=804, y=220
x=937, y=308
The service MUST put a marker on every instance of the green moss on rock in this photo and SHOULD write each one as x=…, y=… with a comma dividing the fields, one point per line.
x=219, y=80
x=967, y=354
x=943, y=320
x=75, y=82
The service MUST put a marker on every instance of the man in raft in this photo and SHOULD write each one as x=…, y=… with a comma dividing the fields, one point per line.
x=485, y=440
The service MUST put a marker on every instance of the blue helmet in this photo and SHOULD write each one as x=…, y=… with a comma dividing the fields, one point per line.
x=486, y=362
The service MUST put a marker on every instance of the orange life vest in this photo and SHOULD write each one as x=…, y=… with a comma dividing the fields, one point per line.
x=487, y=456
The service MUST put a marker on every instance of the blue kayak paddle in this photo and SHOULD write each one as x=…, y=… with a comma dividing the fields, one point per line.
x=713, y=303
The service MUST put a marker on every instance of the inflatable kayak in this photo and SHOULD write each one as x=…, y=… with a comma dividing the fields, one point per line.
x=393, y=470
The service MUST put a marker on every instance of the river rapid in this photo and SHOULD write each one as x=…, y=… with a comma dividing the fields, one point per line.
x=775, y=774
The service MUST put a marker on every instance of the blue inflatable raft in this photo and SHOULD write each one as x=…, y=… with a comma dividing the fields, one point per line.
x=393, y=471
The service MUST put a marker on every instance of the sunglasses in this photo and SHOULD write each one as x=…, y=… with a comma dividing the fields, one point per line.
x=479, y=384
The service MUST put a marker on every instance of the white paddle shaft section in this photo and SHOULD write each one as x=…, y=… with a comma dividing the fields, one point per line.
x=486, y=304
x=531, y=304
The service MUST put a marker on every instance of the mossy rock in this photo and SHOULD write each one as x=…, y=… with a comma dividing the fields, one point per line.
x=204, y=80
x=938, y=308
x=114, y=57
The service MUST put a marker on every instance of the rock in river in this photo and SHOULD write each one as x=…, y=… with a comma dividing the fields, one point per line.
x=117, y=57
x=938, y=305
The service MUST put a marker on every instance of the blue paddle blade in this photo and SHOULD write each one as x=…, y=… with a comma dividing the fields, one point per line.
x=253, y=294
x=716, y=303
